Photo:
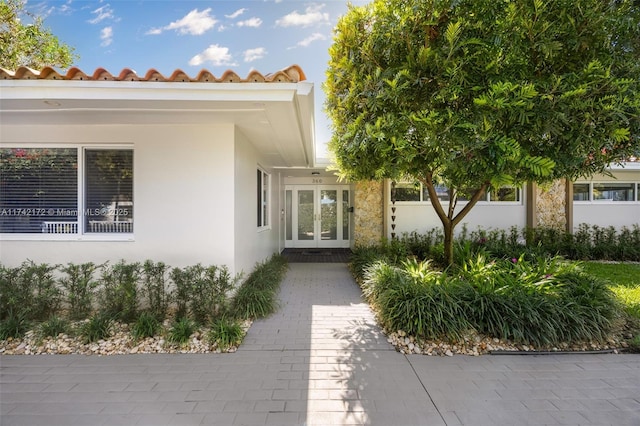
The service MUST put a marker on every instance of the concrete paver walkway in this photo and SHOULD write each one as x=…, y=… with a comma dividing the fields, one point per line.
x=320, y=360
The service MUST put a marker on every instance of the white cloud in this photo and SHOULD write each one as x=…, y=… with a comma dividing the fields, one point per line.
x=251, y=55
x=214, y=54
x=106, y=35
x=237, y=13
x=194, y=23
x=102, y=13
x=313, y=37
x=312, y=15
x=253, y=22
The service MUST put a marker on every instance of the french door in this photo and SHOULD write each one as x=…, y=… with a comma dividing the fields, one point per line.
x=317, y=216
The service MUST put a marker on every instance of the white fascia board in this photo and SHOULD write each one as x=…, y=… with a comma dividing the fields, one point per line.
x=144, y=90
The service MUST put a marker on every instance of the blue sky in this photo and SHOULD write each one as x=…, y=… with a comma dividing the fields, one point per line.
x=265, y=35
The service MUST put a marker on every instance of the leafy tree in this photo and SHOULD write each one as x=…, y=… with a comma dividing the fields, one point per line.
x=478, y=94
x=29, y=45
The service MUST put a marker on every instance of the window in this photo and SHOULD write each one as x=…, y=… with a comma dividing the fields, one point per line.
x=416, y=192
x=605, y=191
x=581, y=192
x=506, y=193
x=613, y=191
x=406, y=192
x=263, y=199
x=108, y=191
x=66, y=191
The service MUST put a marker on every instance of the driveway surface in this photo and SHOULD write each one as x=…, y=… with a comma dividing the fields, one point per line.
x=320, y=360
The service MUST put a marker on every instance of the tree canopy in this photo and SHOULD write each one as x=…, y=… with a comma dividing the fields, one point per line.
x=29, y=45
x=475, y=94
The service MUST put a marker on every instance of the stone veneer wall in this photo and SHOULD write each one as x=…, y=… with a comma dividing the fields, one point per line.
x=368, y=212
x=551, y=205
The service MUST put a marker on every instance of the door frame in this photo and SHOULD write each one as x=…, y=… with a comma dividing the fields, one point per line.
x=292, y=217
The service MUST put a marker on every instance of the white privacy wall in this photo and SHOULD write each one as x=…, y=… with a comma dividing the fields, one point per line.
x=610, y=213
x=183, y=184
x=421, y=217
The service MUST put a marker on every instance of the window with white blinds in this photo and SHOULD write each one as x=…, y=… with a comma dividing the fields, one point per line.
x=66, y=191
x=108, y=190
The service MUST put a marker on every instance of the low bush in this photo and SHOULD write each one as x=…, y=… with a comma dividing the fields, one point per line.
x=225, y=332
x=15, y=325
x=155, y=288
x=257, y=296
x=544, y=301
x=181, y=331
x=79, y=288
x=54, y=326
x=119, y=296
x=97, y=327
x=146, y=325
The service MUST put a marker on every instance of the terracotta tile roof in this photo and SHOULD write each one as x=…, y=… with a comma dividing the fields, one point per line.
x=291, y=74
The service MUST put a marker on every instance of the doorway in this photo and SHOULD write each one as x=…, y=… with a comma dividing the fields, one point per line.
x=317, y=216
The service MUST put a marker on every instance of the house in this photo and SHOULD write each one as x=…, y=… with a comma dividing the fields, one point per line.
x=216, y=170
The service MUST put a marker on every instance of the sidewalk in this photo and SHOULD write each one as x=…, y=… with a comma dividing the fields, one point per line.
x=320, y=360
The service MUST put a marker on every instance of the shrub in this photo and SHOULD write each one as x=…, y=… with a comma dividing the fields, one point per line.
x=182, y=279
x=225, y=332
x=98, y=327
x=120, y=290
x=14, y=300
x=80, y=285
x=14, y=325
x=209, y=292
x=181, y=331
x=256, y=296
x=146, y=325
x=40, y=296
x=54, y=326
x=543, y=301
x=155, y=288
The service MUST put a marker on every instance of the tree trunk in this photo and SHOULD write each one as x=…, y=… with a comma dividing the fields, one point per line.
x=448, y=242
x=449, y=219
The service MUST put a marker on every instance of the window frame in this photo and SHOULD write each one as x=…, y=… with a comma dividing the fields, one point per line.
x=592, y=200
x=263, y=199
x=486, y=201
x=81, y=234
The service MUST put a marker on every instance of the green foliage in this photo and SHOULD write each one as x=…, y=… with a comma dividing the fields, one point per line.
x=481, y=93
x=25, y=42
x=544, y=301
x=256, y=296
x=13, y=297
x=154, y=280
x=15, y=325
x=54, y=326
x=202, y=292
x=225, y=333
x=146, y=325
x=119, y=295
x=181, y=331
x=29, y=290
x=97, y=327
x=79, y=285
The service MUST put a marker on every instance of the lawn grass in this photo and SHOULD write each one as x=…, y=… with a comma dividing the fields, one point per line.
x=624, y=281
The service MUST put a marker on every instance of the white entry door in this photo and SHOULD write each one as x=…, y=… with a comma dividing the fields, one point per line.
x=317, y=216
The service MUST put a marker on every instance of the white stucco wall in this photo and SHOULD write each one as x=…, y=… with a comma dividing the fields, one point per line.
x=252, y=245
x=183, y=184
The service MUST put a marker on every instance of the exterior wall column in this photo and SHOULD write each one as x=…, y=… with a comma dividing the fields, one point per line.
x=550, y=206
x=368, y=212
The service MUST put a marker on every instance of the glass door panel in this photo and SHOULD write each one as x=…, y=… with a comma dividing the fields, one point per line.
x=328, y=214
x=306, y=216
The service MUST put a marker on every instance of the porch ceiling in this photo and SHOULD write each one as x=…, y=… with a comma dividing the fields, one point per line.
x=277, y=118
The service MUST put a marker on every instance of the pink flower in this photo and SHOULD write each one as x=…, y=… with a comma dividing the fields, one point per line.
x=514, y=260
